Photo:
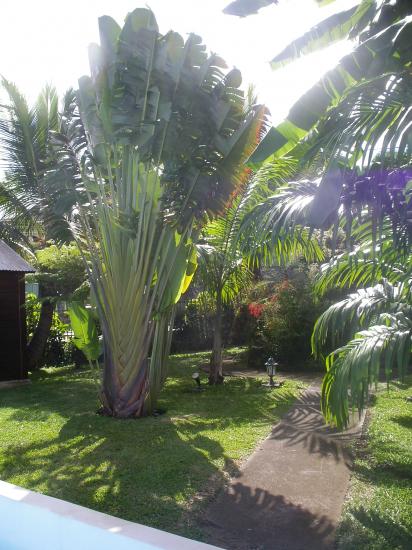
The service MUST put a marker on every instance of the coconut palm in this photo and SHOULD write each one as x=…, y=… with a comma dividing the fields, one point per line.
x=25, y=207
x=153, y=146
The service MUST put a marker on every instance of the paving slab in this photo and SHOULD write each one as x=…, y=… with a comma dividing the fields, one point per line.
x=289, y=494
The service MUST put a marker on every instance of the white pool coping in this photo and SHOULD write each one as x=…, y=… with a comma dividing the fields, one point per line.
x=32, y=521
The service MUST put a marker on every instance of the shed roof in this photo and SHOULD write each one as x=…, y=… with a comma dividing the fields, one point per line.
x=11, y=261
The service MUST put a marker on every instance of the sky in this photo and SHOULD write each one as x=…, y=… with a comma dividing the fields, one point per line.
x=46, y=41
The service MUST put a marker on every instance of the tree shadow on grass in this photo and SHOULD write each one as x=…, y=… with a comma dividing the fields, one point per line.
x=403, y=420
x=387, y=471
x=371, y=527
x=145, y=471
x=129, y=469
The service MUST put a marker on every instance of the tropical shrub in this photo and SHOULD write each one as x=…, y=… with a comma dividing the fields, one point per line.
x=280, y=316
x=286, y=322
x=61, y=275
x=60, y=271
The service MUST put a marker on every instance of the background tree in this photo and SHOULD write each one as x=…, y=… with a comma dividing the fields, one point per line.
x=28, y=216
x=228, y=258
x=223, y=272
x=62, y=277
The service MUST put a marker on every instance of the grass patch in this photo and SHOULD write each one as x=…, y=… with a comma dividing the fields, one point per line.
x=145, y=470
x=378, y=512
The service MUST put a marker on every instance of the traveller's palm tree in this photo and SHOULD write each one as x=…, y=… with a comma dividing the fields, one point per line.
x=153, y=147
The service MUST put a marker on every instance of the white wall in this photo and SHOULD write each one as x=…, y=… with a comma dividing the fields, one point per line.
x=31, y=521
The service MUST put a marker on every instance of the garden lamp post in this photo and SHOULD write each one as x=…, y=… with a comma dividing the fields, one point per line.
x=271, y=370
x=196, y=378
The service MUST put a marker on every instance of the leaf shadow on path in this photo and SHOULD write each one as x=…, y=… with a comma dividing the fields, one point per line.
x=267, y=513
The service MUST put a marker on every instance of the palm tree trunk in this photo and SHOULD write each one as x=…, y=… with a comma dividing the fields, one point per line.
x=35, y=348
x=216, y=364
x=125, y=378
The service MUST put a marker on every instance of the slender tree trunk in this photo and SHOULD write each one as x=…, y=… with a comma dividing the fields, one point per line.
x=162, y=342
x=35, y=348
x=216, y=364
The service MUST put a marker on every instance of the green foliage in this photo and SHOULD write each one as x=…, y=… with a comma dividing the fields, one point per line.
x=235, y=244
x=352, y=136
x=152, y=146
x=382, y=54
x=365, y=264
x=287, y=321
x=83, y=324
x=275, y=224
x=193, y=327
x=24, y=144
x=242, y=8
x=377, y=322
x=281, y=318
x=358, y=311
x=333, y=29
x=192, y=330
x=60, y=271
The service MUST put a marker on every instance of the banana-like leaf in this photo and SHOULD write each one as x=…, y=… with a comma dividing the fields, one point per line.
x=332, y=29
x=382, y=53
x=243, y=8
x=85, y=331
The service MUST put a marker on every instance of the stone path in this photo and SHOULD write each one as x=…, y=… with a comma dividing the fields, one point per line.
x=290, y=492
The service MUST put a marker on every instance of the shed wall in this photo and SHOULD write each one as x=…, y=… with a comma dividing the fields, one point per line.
x=12, y=327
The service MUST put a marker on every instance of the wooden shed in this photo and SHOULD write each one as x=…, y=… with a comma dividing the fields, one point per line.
x=13, y=333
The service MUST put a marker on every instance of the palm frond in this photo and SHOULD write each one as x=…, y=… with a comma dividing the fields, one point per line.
x=356, y=365
x=364, y=266
x=359, y=310
x=276, y=225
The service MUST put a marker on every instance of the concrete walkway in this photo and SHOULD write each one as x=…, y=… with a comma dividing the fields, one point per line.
x=290, y=492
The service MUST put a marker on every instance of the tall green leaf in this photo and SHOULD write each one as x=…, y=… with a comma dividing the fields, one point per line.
x=84, y=328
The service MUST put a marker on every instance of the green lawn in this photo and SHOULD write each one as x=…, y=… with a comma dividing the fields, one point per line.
x=145, y=470
x=378, y=512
